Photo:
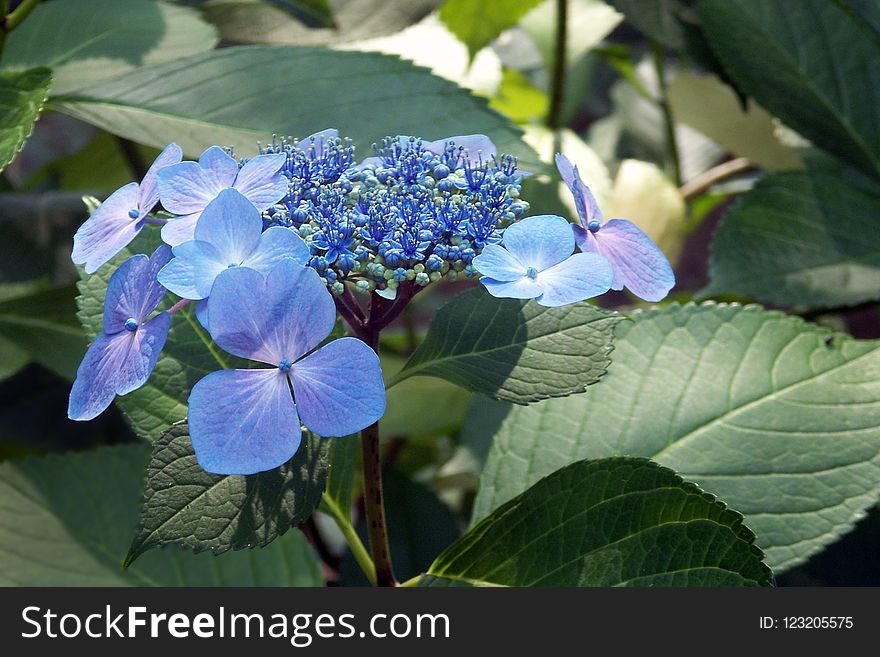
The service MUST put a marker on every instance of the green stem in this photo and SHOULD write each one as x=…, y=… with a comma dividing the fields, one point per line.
x=21, y=12
x=557, y=83
x=354, y=541
x=673, y=163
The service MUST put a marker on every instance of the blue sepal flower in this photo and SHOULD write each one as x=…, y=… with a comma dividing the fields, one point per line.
x=121, y=217
x=247, y=421
x=536, y=262
x=122, y=357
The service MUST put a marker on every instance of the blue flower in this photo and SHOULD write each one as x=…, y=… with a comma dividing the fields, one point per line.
x=229, y=234
x=187, y=188
x=122, y=357
x=636, y=261
x=248, y=420
x=120, y=218
x=537, y=263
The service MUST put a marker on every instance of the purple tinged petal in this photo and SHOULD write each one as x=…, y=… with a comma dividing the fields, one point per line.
x=134, y=291
x=180, y=230
x=319, y=138
x=188, y=187
x=115, y=365
x=477, y=146
x=579, y=277
x=261, y=181
x=587, y=207
x=191, y=273
x=540, y=242
x=220, y=168
x=339, y=389
x=202, y=314
x=109, y=230
x=149, y=191
x=276, y=244
x=637, y=262
x=232, y=225
x=522, y=288
x=243, y=421
x=500, y=264
x=284, y=315
x=372, y=161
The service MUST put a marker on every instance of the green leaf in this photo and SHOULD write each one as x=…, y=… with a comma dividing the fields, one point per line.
x=22, y=95
x=799, y=239
x=342, y=458
x=186, y=506
x=610, y=522
x=314, y=13
x=658, y=19
x=67, y=521
x=778, y=417
x=12, y=358
x=189, y=101
x=84, y=41
x=817, y=69
x=514, y=350
x=519, y=99
x=477, y=24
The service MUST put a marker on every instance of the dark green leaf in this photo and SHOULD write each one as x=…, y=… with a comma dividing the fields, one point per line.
x=800, y=239
x=610, y=522
x=216, y=98
x=22, y=95
x=477, y=24
x=658, y=19
x=778, y=417
x=817, y=69
x=186, y=506
x=67, y=521
x=84, y=41
x=514, y=350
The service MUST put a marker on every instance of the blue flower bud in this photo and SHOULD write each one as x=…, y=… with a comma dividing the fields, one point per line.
x=434, y=262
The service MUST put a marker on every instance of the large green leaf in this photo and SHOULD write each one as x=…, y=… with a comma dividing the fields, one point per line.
x=67, y=521
x=817, y=71
x=778, y=417
x=477, y=24
x=187, y=506
x=84, y=41
x=515, y=350
x=800, y=239
x=610, y=522
x=238, y=96
x=22, y=95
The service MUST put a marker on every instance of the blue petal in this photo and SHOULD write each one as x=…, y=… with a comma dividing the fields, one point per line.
x=115, y=365
x=276, y=244
x=149, y=191
x=636, y=261
x=232, y=225
x=498, y=263
x=584, y=201
x=540, y=242
x=134, y=290
x=219, y=167
x=243, y=421
x=181, y=229
x=581, y=276
x=261, y=181
x=108, y=230
x=522, y=288
x=284, y=315
x=192, y=271
x=202, y=314
x=188, y=187
x=339, y=388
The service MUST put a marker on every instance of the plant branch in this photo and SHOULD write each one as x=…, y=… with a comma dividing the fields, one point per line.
x=673, y=162
x=557, y=84
x=716, y=174
x=357, y=548
x=14, y=19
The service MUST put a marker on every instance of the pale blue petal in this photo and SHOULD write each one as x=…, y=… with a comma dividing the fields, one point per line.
x=478, y=147
x=498, y=263
x=188, y=187
x=220, y=168
x=374, y=162
x=523, y=288
x=318, y=138
x=133, y=291
x=243, y=421
x=584, y=201
x=389, y=293
x=232, y=225
x=108, y=230
x=261, y=181
x=284, y=315
x=115, y=365
x=192, y=271
x=540, y=241
x=149, y=191
x=637, y=262
x=339, y=389
x=276, y=244
x=581, y=276
x=180, y=230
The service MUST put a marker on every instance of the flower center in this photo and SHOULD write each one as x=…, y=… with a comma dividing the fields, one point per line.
x=285, y=365
x=131, y=324
x=134, y=213
x=593, y=226
x=532, y=273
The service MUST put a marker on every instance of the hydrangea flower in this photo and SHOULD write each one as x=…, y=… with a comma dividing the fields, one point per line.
x=536, y=262
x=636, y=262
x=122, y=357
x=187, y=188
x=229, y=234
x=121, y=217
x=248, y=420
